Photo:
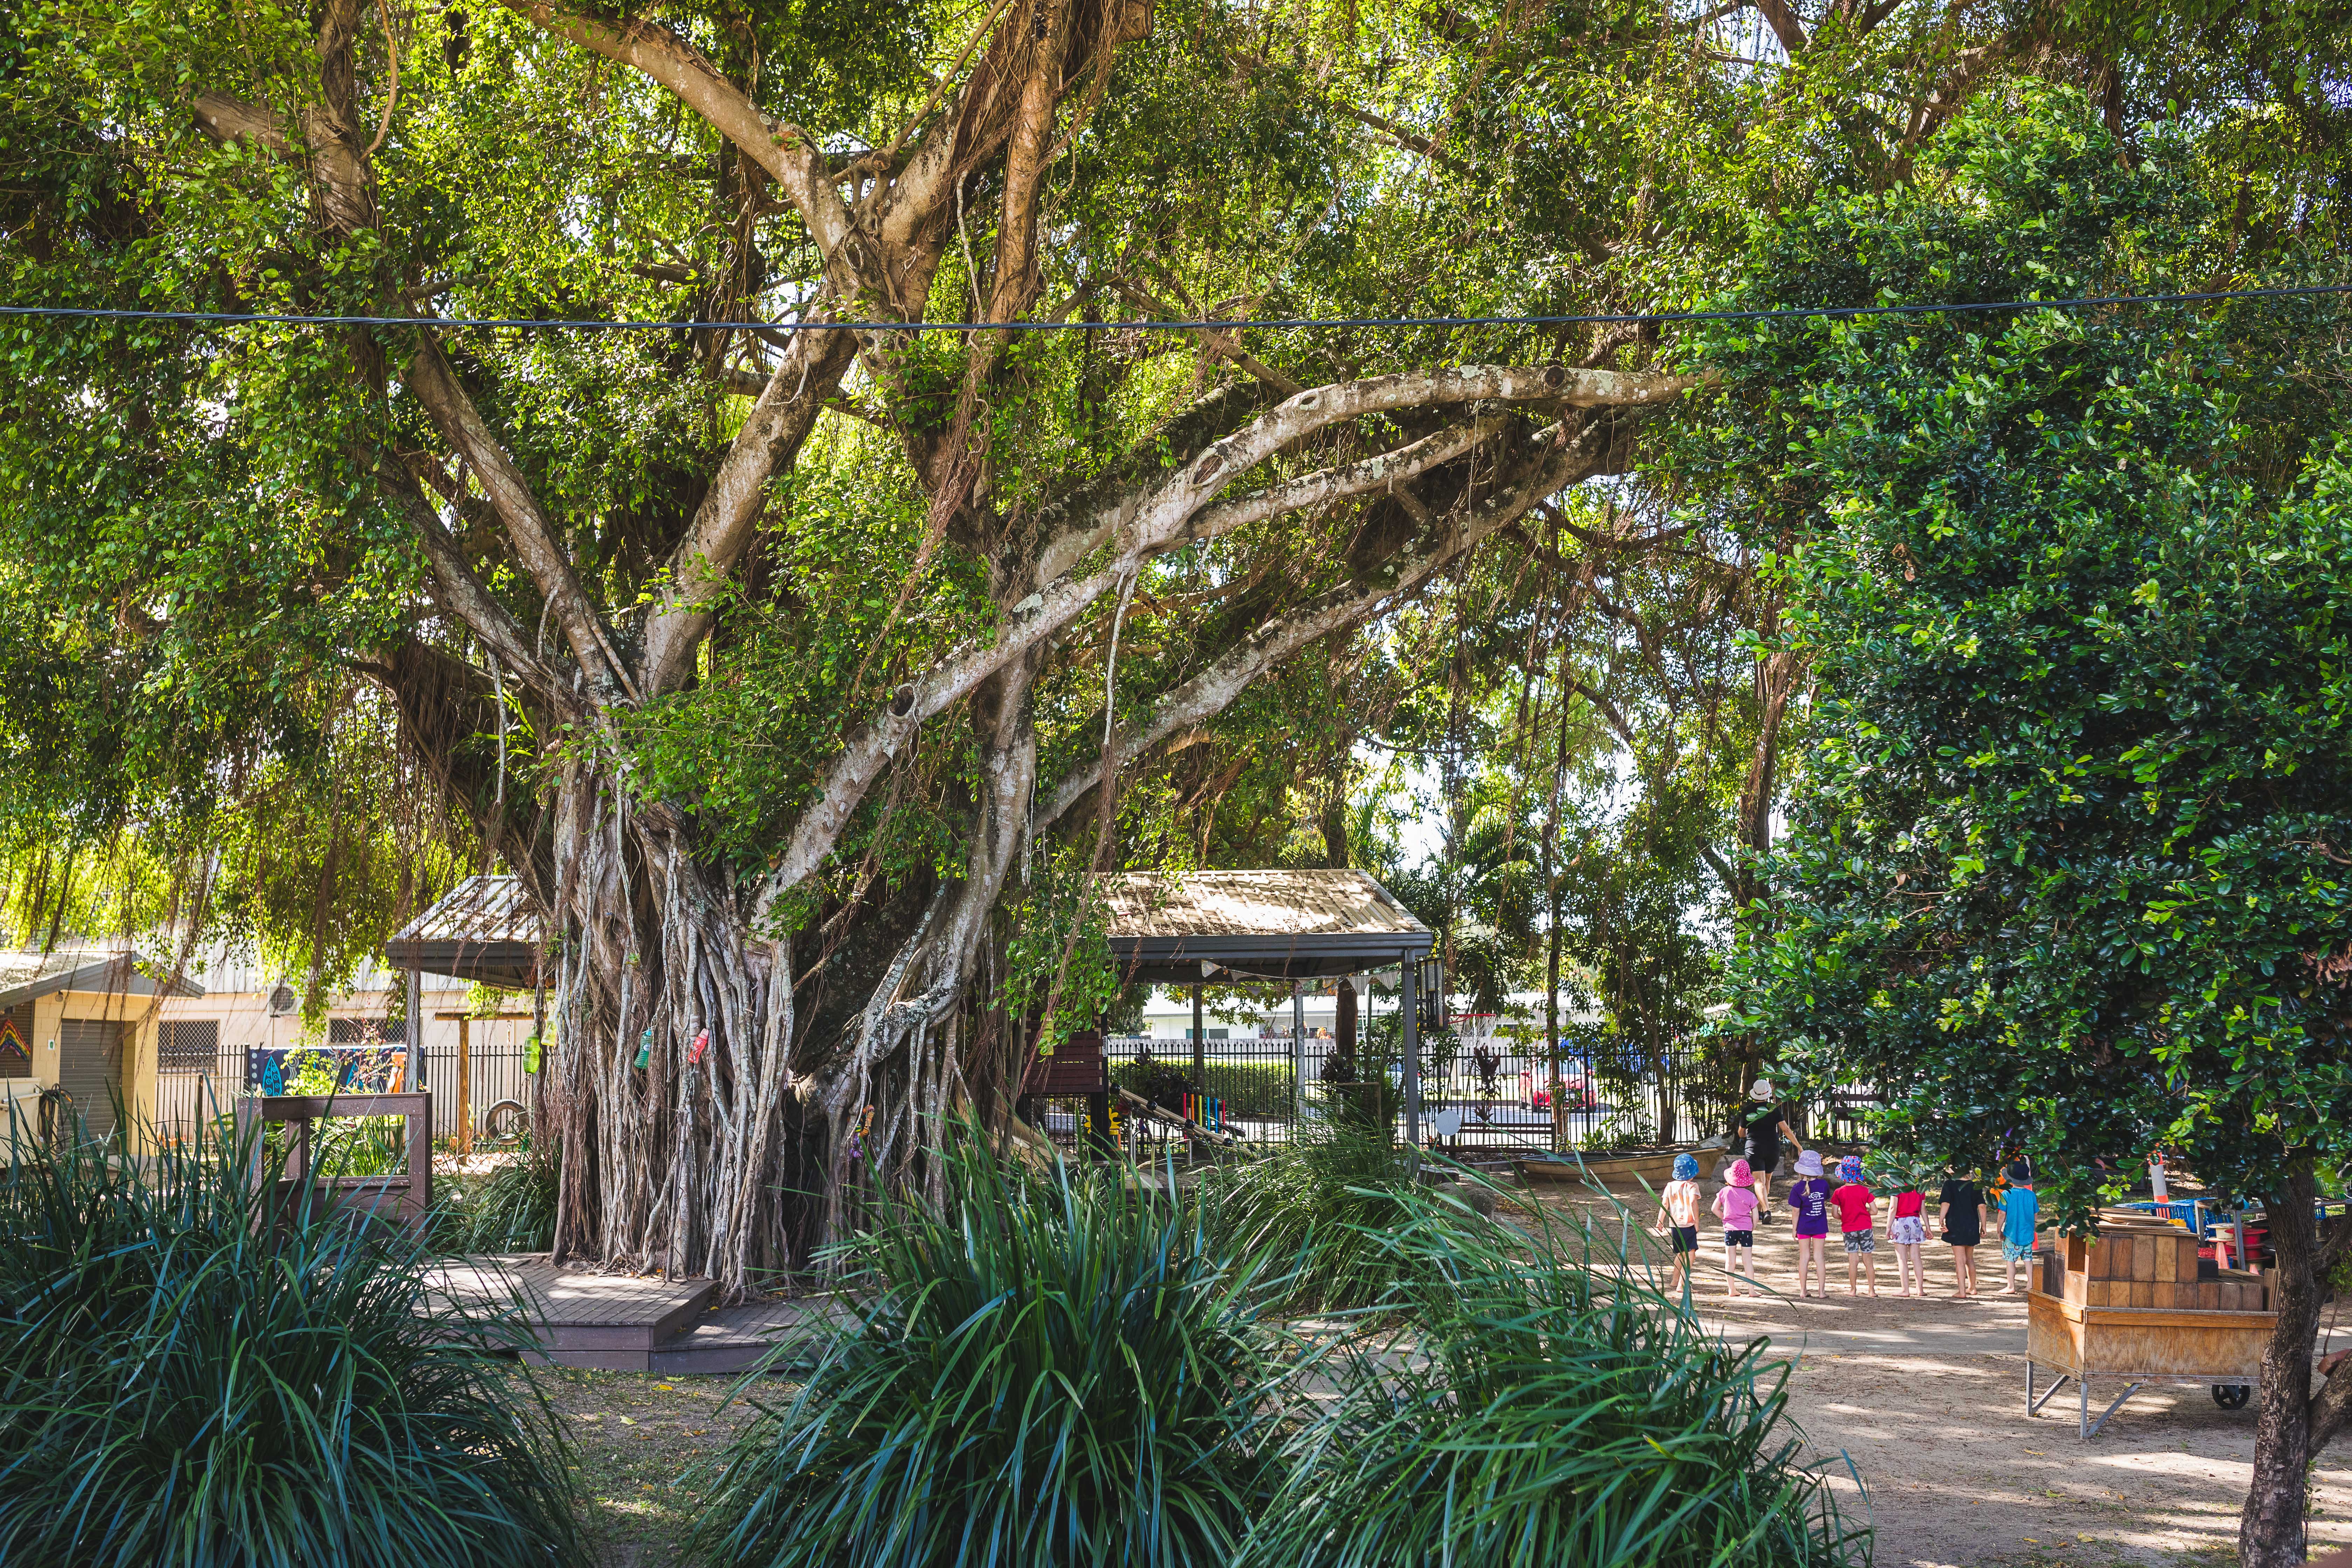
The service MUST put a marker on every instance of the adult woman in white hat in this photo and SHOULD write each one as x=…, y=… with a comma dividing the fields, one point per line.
x=1766, y=1122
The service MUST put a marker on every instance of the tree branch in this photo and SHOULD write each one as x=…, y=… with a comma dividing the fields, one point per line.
x=1404, y=136
x=1187, y=708
x=227, y=118
x=1146, y=523
x=462, y=597
x=527, y=527
x=728, y=518
x=788, y=156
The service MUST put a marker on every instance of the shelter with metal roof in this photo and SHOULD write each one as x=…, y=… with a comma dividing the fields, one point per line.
x=483, y=929
x=1256, y=925
x=1294, y=925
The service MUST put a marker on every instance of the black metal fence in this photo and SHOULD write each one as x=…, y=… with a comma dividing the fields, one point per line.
x=474, y=1080
x=1483, y=1091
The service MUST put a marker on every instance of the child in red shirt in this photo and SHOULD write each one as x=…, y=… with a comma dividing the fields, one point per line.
x=1853, y=1203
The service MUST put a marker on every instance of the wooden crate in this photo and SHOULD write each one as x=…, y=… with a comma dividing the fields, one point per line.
x=2147, y=1343
x=2137, y=1263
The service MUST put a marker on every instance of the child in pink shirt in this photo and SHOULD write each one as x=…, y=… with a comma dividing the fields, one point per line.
x=1853, y=1202
x=1735, y=1205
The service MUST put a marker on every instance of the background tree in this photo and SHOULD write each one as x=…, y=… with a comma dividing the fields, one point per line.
x=2067, y=863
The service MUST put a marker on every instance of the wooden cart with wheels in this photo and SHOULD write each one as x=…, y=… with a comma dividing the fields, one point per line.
x=2132, y=1306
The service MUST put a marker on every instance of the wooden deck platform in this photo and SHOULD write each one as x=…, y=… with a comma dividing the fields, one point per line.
x=620, y=1323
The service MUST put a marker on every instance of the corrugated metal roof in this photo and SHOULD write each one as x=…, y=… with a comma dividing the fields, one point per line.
x=25, y=973
x=1252, y=903
x=477, y=911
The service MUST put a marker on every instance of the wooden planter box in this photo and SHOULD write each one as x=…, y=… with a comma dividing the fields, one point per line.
x=1654, y=1166
x=2130, y=1305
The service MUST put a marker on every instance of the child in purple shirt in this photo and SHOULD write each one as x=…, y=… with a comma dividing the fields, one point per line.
x=1808, y=1200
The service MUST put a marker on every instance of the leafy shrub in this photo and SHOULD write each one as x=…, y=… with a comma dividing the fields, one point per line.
x=511, y=1209
x=1254, y=1090
x=1041, y=1371
x=352, y=1145
x=1552, y=1412
x=183, y=1382
x=1317, y=1210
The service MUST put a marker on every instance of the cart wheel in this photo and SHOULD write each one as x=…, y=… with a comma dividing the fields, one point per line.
x=503, y=1121
x=2232, y=1395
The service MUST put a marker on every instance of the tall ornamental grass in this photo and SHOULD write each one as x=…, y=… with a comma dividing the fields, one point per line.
x=1317, y=1210
x=1545, y=1408
x=1040, y=1370
x=511, y=1209
x=185, y=1384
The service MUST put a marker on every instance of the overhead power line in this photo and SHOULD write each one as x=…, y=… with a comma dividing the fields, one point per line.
x=1213, y=324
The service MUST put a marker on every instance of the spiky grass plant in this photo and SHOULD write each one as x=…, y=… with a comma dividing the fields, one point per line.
x=188, y=1380
x=511, y=1209
x=1544, y=1408
x=1317, y=1209
x=1041, y=1370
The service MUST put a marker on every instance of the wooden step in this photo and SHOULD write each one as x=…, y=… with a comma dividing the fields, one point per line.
x=609, y=1321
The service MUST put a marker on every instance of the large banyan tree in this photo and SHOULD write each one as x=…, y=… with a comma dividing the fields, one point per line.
x=799, y=662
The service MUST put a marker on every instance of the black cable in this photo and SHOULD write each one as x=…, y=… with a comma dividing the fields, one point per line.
x=266, y=318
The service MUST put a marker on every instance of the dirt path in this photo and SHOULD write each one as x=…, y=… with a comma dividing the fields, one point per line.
x=1925, y=1399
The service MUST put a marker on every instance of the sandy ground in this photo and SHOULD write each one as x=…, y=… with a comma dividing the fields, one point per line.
x=1915, y=1408
x=1924, y=1401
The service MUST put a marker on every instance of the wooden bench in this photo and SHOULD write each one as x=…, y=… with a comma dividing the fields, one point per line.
x=405, y=1198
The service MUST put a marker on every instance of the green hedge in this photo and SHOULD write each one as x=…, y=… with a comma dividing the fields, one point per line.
x=1259, y=1090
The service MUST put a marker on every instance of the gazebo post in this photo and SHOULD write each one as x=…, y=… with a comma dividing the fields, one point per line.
x=1406, y=977
x=416, y=1077
x=1298, y=1054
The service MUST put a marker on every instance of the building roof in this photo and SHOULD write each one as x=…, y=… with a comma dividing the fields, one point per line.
x=1271, y=924
x=483, y=929
x=111, y=968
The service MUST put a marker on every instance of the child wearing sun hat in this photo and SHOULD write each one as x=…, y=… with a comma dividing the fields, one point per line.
x=1736, y=1206
x=1678, y=1217
x=1808, y=1200
x=1855, y=1203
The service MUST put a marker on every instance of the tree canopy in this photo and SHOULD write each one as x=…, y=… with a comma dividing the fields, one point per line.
x=2067, y=867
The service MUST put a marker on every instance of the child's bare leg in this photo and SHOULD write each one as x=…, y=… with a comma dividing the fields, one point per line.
x=1853, y=1268
x=1870, y=1270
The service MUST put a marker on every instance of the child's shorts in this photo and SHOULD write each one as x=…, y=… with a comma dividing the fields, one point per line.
x=1907, y=1230
x=1861, y=1241
x=1738, y=1238
x=1685, y=1237
x=2012, y=1252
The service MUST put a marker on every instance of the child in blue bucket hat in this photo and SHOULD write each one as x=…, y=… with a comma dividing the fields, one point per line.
x=1678, y=1218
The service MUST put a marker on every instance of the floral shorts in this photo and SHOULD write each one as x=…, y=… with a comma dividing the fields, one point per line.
x=1861, y=1241
x=2012, y=1252
x=1906, y=1230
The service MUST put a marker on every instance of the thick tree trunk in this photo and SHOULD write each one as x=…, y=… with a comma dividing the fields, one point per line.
x=2271, y=1529
x=669, y=1068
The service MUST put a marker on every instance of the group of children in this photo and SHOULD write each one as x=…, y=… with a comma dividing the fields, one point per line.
x=1745, y=1202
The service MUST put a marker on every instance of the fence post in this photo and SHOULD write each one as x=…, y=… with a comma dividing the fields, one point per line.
x=465, y=1085
x=1406, y=977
